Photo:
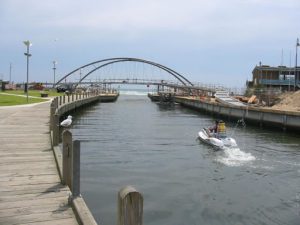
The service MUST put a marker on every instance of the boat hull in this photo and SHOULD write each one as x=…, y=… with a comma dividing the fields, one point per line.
x=216, y=142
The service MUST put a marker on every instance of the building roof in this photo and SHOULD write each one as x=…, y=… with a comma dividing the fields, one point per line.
x=273, y=68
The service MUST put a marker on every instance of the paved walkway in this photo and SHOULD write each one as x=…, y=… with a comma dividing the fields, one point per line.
x=30, y=189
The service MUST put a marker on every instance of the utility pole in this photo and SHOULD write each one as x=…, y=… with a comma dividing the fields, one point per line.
x=296, y=81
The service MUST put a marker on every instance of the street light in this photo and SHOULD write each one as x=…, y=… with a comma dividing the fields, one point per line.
x=28, y=44
x=296, y=81
x=54, y=68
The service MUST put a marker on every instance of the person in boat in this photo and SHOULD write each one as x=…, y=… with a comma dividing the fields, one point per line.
x=221, y=130
x=218, y=130
x=214, y=129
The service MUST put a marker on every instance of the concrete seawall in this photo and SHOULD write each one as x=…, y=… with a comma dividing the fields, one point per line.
x=284, y=120
x=66, y=108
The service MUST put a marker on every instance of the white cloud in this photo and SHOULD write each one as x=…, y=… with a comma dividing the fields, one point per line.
x=203, y=18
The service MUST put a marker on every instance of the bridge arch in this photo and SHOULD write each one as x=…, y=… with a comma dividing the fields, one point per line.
x=109, y=61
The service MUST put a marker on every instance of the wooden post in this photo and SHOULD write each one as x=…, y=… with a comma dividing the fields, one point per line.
x=52, y=112
x=67, y=158
x=56, y=102
x=68, y=98
x=60, y=100
x=55, y=130
x=76, y=169
x=64, y=99
x=130, y=207
x=72, y=97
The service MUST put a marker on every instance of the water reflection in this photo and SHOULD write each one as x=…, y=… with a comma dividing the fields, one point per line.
x=135, y=141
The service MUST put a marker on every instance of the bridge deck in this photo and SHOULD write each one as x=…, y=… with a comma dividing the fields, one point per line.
x=30, y=189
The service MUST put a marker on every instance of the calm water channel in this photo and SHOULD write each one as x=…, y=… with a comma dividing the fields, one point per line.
x=184, y=182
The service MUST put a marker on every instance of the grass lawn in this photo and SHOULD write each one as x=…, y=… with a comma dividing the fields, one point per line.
x=6, y=100
x=35, y=93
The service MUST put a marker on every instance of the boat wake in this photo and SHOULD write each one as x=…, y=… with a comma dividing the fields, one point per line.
x=234, y=156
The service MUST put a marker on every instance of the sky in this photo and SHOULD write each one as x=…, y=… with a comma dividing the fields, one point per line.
x=212, y=41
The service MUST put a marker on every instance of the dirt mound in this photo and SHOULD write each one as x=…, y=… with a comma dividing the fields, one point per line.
x=289, y=101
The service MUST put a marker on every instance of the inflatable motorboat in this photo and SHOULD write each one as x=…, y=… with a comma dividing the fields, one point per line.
x=216, y=140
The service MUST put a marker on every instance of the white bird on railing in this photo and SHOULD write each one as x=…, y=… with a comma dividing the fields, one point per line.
x=67, y=122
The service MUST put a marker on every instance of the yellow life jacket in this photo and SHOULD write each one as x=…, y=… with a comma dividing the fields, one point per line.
x=221, y=128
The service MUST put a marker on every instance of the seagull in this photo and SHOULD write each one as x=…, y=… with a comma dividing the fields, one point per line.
x=67, y=122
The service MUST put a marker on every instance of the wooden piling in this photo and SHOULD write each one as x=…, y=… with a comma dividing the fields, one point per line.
x=52, y=112
x=130, y=207
x=76, y=169
x=67, y=158
x=55, y=130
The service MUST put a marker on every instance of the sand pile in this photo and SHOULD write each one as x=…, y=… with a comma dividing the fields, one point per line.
x=288, y=101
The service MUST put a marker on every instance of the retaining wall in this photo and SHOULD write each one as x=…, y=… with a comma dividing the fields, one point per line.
x=285, y=120
x=59, y=107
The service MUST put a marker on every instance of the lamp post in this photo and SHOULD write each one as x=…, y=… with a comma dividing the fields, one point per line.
x=10, y=67
x=28, y=44
x=54, y=68
x=296, y=81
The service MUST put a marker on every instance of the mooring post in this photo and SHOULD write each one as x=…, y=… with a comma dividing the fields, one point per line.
x=72, y=97
x=76, y=169
x=52, y=112
x=68, y=98
x=67, y=158
x=130, y=206
x=60, y=100
x=55, y=130
x=55, y=100
x=64, y=99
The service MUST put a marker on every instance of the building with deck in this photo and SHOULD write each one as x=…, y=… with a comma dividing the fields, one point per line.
x=280, y=77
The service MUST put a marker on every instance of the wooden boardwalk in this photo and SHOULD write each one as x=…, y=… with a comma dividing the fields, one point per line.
x=30, y=189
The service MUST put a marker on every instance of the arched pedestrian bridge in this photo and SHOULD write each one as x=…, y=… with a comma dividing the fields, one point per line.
x=124, y=70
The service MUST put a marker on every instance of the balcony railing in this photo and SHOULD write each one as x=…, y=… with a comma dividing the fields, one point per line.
x=277, y=82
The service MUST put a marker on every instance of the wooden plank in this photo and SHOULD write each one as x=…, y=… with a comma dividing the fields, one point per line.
x=37, y=202
x=17, y=160
x=36, y=217
x=17, y=167
x=23, y=170
x=37, y=176
x=26, y=157
x=25, y=145
x=33, y=209
x=28, y=172
x=35, y=190
x=38, y=195
x=28, y=153
x=67, y=221
x=24, y=151
x=32, y=182
x=30, y=189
